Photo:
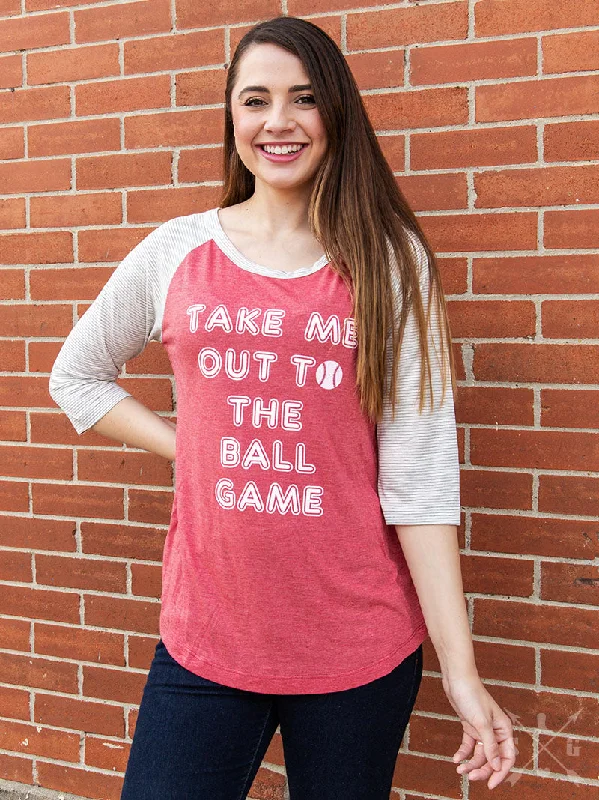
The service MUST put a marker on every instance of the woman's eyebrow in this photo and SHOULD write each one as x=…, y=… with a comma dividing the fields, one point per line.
x=296, y=88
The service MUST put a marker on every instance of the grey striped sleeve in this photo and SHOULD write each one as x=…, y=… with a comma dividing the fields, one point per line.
x=419, y=475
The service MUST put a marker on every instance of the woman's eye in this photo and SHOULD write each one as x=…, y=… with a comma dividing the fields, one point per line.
x=309, y=98
x=249, y=102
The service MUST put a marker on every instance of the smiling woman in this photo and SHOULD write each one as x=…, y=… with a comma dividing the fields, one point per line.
x=305, y=322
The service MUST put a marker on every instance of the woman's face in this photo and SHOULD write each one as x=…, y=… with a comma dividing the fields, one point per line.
x=272, y=103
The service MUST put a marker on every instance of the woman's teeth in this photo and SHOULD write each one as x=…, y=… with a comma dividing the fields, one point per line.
x=282, y=150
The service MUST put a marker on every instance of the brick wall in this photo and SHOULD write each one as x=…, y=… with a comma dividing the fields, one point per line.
x=110, y=123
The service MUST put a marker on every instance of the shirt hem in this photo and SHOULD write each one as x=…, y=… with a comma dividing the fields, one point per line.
x=277, y=684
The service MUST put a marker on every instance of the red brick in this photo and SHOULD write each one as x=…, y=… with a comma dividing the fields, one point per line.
x=479, y=575
x=124, y=94
x=44, y=102
x=536, y=275
x=11, y=71
x=14, y=496
x=495, y=447
x=565, y=754
x=28, y=32
x=106, y=753
x=203, y=87
x=15, y=635
x=475, y=147
x=122, y=614
x=36, y=248
x=37, y=534
x=80, y=715
x=12, y=213
x=153, y=360
x=174, y=128
x=569, y=319
x=191, y=15
x=548, y=186
x=13, y=426
x=567, y=670
x=393, y=147
x=400, y=26
x=118, y=685
x=535, y=788
x=431, y=776
x=73, y=64
x=79, y=643
x=109, y=244
x=35, y=176
x=487, y=489
x=146, y=580
x=435, y=192
x=377, y=70
x=10, y=7
x=127, y=169
x=67, y=284
x=494, y=405
x=12, y=284
x=473, y=61
x=36, y=603
x=570, y=583
x=77, y=136
x=454, y=274
x=16, y=567
x=573, y=52
x=24, y=391
x=536, y=363
x=543, y=536
x=12, y=355
x=498, y=17
x=122, y=541
x=42, y=355
x=565, y=494
x=120, y=20
x=550, y=97
x=534, y=622
x=81, y=782
x=55, y=211
x=575, y=229
x=37, y=462
x=150, y=506
x=16, y=769
x=175, y=51
x=425, y=108
x=565, y=408
x=26, y=319
x=23, y=738
x=81, y=573
x=480, y=232
x=141, y=651
x=12, y=143
x=41, y=673
x=158, y=205
x=572, y=141
x=78, y=500
x=485, y=319
x=46, y=5
x=124, y=467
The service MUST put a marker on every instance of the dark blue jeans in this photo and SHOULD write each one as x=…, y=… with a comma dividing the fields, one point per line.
x=199, y=740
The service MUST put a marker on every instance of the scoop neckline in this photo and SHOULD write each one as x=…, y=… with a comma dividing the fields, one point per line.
x=238, y=258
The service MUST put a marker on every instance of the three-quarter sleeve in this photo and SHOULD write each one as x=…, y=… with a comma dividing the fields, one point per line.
x=419, y=475
x=115, y=328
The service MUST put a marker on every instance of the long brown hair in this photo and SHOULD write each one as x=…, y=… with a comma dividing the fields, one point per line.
x=358, y=214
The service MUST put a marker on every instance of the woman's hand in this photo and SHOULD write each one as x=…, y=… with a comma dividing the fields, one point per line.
x=483, y=721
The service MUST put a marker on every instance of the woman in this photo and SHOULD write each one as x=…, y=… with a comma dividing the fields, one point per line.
x=312, y=544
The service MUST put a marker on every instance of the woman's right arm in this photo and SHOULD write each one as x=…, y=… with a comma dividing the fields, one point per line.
x=124, y=317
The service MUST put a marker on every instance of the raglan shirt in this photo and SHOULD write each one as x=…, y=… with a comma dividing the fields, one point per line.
x=282, y=571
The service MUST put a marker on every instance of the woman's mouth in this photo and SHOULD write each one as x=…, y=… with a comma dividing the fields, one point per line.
x=282, y=157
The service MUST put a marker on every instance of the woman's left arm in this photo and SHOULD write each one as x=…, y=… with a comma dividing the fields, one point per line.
x=433, y=558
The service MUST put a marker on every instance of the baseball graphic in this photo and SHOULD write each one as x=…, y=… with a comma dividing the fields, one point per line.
x=329, y=374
